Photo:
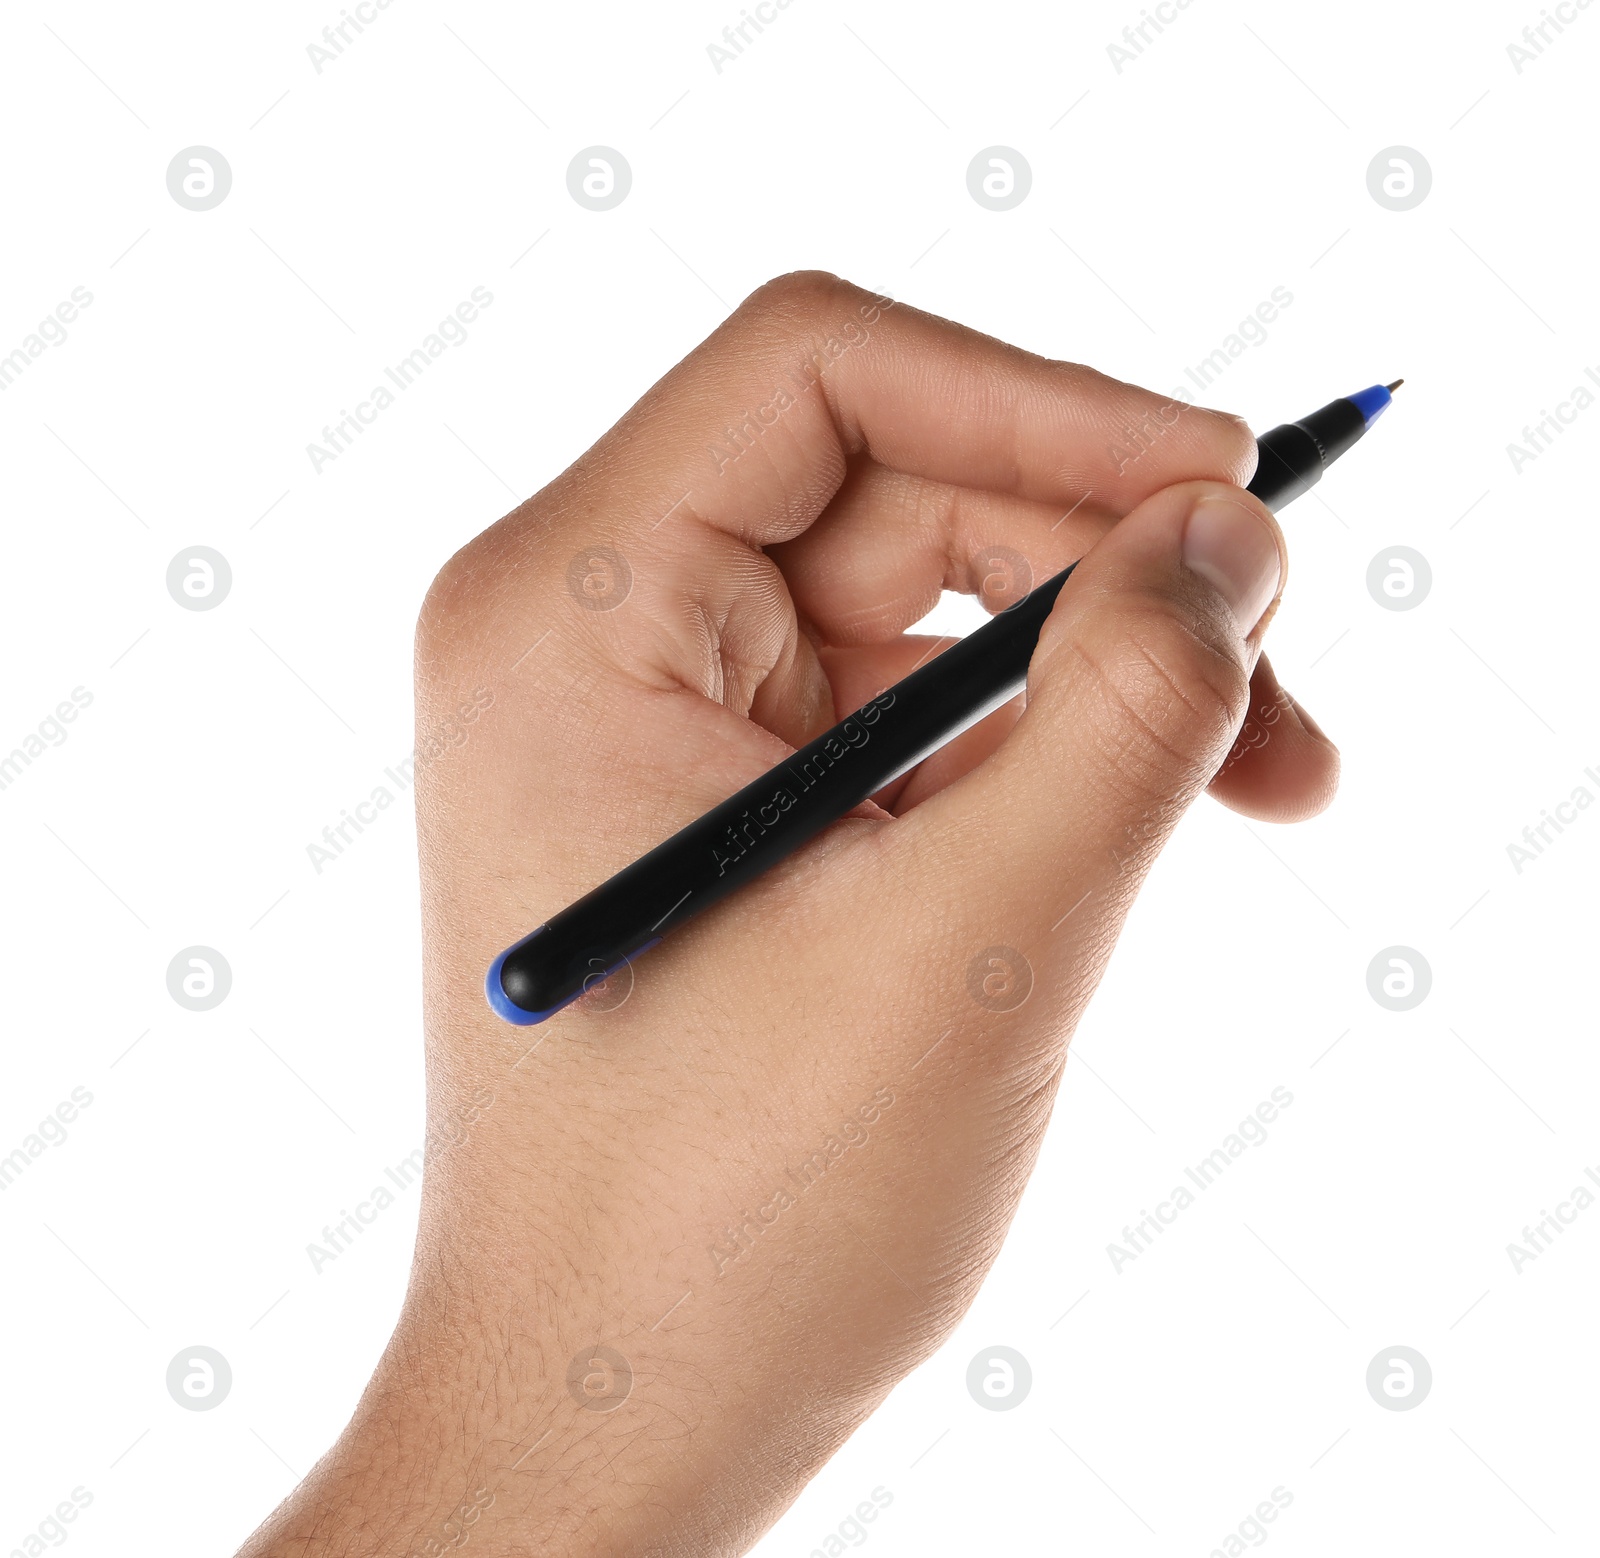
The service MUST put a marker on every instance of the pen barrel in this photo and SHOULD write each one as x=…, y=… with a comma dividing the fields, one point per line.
x=1292, y=457
x=790, y=804
x=1288, y=464
x=776, y=814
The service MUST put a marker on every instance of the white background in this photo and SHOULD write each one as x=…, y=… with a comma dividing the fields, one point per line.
x=1168, y=200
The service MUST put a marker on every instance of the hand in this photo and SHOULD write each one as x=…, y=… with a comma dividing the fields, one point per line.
x=678, y=1242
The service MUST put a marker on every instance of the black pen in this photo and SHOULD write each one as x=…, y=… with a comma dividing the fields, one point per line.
x=773, y=816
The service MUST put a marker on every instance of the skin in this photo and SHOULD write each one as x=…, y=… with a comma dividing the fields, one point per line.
x=772, y=1178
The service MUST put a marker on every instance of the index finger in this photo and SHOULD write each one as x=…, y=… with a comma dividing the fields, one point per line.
x=752, y=431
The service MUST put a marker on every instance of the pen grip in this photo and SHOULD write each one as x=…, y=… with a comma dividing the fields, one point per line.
x=1288, y=465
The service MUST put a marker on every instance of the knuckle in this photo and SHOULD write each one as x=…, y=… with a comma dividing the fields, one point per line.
x=487, y=581
x=797, y=295
x=811, y=312
x=1169, y=696
x=442, y=610
x=456, y=602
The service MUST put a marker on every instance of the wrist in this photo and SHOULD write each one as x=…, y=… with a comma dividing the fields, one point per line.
x=474, y=1430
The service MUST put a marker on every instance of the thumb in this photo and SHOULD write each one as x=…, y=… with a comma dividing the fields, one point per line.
x=1136, y=692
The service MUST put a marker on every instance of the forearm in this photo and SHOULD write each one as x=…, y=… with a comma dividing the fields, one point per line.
x=486, y=1424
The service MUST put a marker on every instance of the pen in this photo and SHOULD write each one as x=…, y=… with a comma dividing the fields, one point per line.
x=774, y=815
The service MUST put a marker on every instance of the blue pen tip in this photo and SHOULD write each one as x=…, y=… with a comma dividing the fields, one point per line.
x=1371, y=403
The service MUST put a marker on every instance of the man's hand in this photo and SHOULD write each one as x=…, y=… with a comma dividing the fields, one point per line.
x=678, y=1242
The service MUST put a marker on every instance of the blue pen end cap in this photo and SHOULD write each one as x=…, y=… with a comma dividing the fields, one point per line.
x=565, y=991
x=499, y=1002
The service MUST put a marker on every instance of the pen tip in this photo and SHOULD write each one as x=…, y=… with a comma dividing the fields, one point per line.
x=1393, y=387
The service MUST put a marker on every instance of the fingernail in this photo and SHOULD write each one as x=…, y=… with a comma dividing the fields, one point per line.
x=1230, y=548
